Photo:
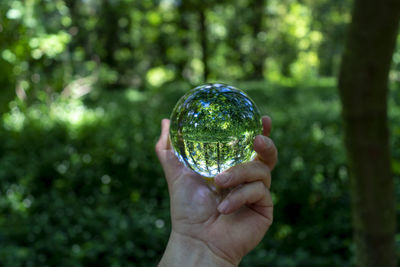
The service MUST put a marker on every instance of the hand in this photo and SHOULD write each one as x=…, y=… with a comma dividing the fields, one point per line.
x=206, y=230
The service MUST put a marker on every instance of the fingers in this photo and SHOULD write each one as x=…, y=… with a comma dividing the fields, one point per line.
x=265, y=148
x=251, y=180
x=163, y=142
x=266, y=151
x=244, y=173
x=255, y=195
x=266, y=122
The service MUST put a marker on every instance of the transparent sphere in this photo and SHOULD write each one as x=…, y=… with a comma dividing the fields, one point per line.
x=213, y=128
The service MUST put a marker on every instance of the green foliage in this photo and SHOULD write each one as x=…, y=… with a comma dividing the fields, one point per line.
x=81, y=184
x=46, y=45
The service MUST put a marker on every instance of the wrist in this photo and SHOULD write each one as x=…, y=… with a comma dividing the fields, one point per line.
x=184, y=250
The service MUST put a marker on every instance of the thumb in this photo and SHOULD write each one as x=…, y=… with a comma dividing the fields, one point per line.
x=163, y=142
x=165, y=153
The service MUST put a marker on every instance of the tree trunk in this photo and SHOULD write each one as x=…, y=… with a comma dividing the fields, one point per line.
x=183, y=26
x=109, y=31
x=363, y=87
x=203, y=37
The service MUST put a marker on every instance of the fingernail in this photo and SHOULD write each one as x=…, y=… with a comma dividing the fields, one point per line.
x=223, y=207
x=222, y=178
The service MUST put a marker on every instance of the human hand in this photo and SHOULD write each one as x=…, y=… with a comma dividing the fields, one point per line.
x=206, y=230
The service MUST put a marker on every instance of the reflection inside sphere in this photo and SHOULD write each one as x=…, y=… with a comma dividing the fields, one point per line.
x=213, y=128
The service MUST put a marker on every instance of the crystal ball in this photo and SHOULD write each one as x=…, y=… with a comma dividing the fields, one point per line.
x=213, y=128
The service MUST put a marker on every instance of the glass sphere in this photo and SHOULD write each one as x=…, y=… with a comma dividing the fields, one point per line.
x=213, y=128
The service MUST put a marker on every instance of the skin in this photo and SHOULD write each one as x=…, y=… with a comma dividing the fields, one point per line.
x=208, y=228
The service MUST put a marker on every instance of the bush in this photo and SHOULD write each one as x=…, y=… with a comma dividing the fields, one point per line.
x=81, y=185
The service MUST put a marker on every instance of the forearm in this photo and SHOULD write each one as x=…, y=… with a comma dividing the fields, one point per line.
x=186, y=251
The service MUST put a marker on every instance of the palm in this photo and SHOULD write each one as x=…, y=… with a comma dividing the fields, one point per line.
x=194, y=213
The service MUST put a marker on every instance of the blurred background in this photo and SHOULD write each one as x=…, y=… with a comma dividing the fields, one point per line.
x=85, y=83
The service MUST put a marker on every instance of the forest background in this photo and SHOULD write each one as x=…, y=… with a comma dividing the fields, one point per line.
x=85, y=83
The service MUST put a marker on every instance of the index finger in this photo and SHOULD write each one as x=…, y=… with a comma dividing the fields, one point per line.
x=247, y=172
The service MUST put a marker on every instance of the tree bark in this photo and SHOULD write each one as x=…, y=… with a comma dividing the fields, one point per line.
x=363, y=87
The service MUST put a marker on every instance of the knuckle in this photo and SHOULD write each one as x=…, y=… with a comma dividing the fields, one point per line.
x=270, y=221
x=260, y=186
x=157, y=146
x=261, y=170
x=233, y=174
